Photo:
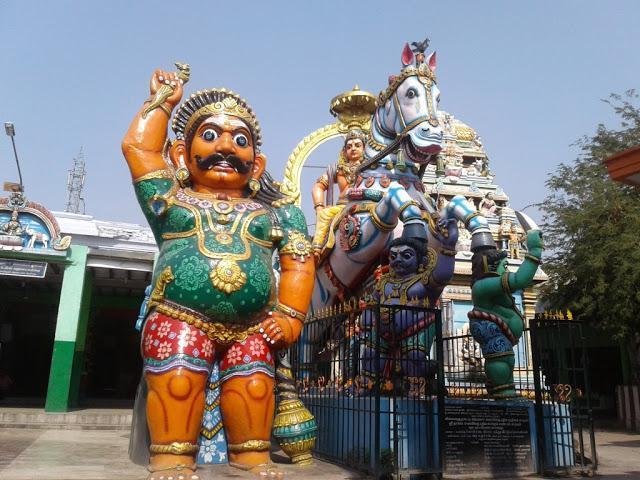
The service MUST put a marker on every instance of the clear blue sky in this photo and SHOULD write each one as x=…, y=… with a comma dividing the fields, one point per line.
x=528, y=76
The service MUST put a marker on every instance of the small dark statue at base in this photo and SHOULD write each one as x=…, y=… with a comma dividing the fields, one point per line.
x=404, y=336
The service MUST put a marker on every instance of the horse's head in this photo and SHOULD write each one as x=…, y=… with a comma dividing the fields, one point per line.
x=408, y=107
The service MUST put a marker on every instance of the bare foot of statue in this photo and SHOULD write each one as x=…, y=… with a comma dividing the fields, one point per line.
x=268, y=471
x=264, y=470
x=176, y=473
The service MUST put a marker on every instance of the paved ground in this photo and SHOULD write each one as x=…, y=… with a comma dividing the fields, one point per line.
x=42, y=454
x=30, y=454
x=618, y=454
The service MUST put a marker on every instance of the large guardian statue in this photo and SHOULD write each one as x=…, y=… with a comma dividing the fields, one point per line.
x=215, y=319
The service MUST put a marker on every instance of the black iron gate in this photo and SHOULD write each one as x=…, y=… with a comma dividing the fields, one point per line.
x=566, y=442
x=375, y=390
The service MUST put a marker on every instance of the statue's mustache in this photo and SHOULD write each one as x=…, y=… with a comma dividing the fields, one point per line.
x=211, y=161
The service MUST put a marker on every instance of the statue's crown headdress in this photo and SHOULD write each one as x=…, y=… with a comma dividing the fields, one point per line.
x=214, y=101
x=355, y=134
x=414, y=63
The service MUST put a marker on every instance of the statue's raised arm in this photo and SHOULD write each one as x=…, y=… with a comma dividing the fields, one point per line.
x=144, y=141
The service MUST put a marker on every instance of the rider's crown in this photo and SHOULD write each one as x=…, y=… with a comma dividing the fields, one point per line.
x=355, y=134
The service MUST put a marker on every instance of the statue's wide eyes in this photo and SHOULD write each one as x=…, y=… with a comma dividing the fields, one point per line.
x=412, y=93
x=241, y=140
x=209, y=135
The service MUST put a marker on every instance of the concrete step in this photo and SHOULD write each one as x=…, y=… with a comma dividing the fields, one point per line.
x=82, y=419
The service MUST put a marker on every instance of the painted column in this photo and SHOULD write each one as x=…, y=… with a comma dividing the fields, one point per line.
x=71, y=329
x=529, y=299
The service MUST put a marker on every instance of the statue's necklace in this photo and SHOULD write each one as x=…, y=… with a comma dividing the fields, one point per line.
x=399, y=286
x=226, y=274
x=349, y=170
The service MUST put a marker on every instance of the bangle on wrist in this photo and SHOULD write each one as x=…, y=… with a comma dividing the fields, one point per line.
x=292, y=312
x=165, y=108
x=532, y=258
x=450, y=252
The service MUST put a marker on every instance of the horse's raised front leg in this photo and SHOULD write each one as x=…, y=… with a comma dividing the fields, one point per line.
x=481, y=237
x=398, y=204
x=446, y=235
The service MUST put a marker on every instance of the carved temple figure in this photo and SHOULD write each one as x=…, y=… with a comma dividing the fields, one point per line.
x=469, y=352
x=511, y=236
x=13, y=227
x=488, y=206
x=403, y=337
x=464, y=239
x=503, y=234
x=215, y=319
x=495, y=322
x=343, y=174
x=515, y=239
x=11, y=233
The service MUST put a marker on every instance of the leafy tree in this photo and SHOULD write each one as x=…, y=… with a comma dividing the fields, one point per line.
x=592, y=234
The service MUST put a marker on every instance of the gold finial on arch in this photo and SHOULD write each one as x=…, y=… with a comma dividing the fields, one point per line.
x=353, y=109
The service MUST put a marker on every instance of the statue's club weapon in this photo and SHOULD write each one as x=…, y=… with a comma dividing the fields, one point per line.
x=526, y=221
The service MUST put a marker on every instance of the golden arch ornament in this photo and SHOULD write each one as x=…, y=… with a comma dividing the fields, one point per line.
x=353, y=109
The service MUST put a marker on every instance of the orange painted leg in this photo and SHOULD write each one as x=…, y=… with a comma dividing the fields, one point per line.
x=175, y=404
x=247, y=405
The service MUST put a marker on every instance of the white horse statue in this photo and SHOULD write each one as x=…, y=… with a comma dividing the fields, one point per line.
x=388, y=196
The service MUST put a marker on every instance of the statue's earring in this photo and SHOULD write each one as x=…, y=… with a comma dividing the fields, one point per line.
x=182, y=173
x=254, y=186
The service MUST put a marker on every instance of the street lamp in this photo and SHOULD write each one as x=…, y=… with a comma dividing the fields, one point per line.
x=11, y=131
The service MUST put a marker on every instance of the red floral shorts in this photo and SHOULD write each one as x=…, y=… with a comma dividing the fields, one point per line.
x=168, y=343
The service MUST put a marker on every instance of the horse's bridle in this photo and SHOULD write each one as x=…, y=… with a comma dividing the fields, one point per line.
x=431, y=118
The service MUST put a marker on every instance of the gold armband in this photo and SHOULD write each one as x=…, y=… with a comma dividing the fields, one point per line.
x=448, y=252
x=504, y=280
x=153, y=175
x=292, y=312
x=298, y=246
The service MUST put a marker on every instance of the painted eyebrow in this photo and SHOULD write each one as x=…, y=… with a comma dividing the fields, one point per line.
x=218, y=127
